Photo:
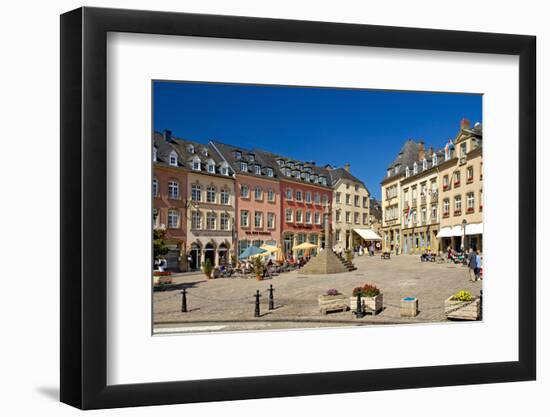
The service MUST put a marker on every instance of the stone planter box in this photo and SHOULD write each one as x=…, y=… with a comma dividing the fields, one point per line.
x=470, y=311
x=409, y=307
x=372, y=305
x=162, y=279
x=332, y=303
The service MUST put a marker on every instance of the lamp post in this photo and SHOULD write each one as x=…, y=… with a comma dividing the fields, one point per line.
x=463, y=245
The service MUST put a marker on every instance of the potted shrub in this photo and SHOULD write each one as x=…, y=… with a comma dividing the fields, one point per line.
x=332, y=300
x=349, y=255
x=162, y=277
x=207, y=268
x=258, y=268
x=463, y=305
x=371, y=298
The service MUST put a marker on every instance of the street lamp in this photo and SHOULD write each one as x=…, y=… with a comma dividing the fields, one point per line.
x=464, y=222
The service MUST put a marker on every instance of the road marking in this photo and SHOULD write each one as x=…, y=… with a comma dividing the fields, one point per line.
x=187, y=329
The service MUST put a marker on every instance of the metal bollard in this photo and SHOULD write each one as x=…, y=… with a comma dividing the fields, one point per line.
x=271, y=301
x=481, y=304
x=359, y=313
x=257, y=304
x=184, y=301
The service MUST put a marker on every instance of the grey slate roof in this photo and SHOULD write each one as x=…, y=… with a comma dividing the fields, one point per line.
x=187, y=151
x=234, y=155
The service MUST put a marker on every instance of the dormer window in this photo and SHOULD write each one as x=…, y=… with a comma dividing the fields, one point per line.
x=257, y=170
x=251, y=157
x=173, y=159
x=155, y=152
x=424, y=164
x=389, y=172
x=323, y=180
x=269, y=172
x=238, y=155
x=280, y=162
x=415, y=168
x=396, y=169
x=204, y=152
x=224, y=170
x=191, y=149
x=211, y=167
x=434, y=160
x=196, y=164
x=407, y=172
x=244, y=167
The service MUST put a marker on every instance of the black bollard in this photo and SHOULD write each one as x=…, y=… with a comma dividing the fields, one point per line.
x=257, y=304
x=271, y=301
x=359, y=313
x=184, y=301
x=481, y=304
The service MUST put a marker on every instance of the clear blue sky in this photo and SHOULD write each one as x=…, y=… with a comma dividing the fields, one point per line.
x=328, y=125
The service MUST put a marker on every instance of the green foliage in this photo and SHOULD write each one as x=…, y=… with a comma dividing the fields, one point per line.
x=258, y=266
x=159, y=243
x=207, y=267
x=463, y=296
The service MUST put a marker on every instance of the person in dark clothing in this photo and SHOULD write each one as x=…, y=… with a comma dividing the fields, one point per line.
x=472, y=264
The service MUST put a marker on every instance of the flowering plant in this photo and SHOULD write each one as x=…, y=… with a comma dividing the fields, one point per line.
x=161, y=273
x=366, y=290
x=463, y=296
x=333, y=291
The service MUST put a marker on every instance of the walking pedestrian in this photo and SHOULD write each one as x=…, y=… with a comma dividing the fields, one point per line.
x=396, y=248
x=478, y=266
x=471, y=262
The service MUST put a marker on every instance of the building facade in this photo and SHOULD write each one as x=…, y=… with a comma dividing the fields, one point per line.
x=420, y=202
x=350, y=209
x=169, y=188
x=305, y=197
x=461, y=179
x=258, y=196
x=433, y=200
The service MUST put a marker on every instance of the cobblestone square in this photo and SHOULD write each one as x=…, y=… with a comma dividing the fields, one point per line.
x=227, y=304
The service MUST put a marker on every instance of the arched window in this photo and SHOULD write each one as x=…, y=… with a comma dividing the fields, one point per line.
x=211, y=221
x=155, y=187
x=211, y=167
x=415, y=168
x=224, y=196
x=424, y=164
x=211, y=194
x=196, y=192
x=224, y=169
x=434, y=160
x=196, y=220
x=173, y=190
x=244, y=191
x=258, y=193
x=196, y=164
x=224, y=221
x=173, y=159
x=407, y=171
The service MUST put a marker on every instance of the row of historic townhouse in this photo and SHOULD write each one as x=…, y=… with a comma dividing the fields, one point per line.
x=433, y=200
x=215, y=200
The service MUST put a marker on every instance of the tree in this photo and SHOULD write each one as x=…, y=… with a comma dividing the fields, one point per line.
x=159, y=243
x=207, y=268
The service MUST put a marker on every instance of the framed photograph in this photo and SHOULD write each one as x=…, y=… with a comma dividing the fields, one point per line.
x=258, y=208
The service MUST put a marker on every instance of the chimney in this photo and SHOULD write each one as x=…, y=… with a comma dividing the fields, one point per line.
x=464, y=123
x=347, y=166
x=421, y=151
x=167, y=135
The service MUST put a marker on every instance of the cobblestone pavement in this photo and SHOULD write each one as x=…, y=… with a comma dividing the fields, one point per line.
x=227, y=304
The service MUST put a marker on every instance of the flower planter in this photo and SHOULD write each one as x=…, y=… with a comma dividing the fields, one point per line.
x=372, y=304
x=409, y=307
x=332, y=303
x=162, y=277
x=470, y=310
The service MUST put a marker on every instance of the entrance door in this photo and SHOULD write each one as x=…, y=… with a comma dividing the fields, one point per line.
x=195, y=257
x=222, y=254
x=209, y=253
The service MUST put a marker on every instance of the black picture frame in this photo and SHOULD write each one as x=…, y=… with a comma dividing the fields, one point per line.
x=84, y=207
